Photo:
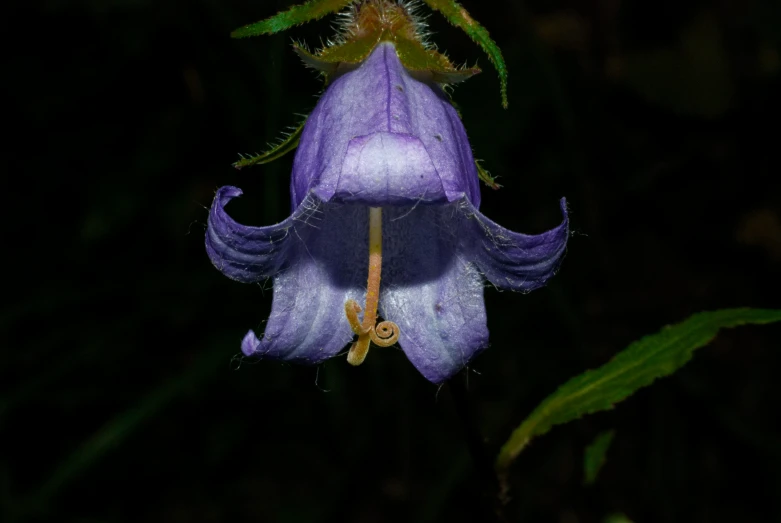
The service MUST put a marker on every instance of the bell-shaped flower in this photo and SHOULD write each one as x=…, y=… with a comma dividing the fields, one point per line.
x=384, y=222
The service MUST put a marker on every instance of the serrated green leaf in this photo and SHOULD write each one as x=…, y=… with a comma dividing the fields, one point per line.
x=285, y=146
x=296, y=15
x=594, y=457
x=459, y=17
x=637, y=366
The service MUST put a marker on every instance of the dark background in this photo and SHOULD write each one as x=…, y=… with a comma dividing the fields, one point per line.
x=121, y=400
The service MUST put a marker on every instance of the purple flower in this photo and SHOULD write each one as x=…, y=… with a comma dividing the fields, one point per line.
x=384, y=172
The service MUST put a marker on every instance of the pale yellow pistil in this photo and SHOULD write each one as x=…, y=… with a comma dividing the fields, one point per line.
x=385, y=333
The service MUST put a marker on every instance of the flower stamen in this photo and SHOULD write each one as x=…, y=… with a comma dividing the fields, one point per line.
x=385, y=333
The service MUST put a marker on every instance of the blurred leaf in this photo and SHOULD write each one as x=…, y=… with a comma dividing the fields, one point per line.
x=617, y=518
x=692, y=77
x=594, y=457
x=6, y=497
x=114, y=433
x=437, y=499
x=762, y=228
x=637, y=366
x=769, y=60
x=564, y=29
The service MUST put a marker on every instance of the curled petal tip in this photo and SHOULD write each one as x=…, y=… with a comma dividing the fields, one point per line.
x=227, y=193
x=250, y=344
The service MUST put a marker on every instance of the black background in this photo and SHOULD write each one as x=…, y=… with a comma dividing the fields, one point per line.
x=120, y=400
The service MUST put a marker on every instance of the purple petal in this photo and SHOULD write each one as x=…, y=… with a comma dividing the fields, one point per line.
x=434, y=257
x=432, y=293
x=377, y=171
x=379, y=136
x=511, y=260
x=307, y=322
x=246, y=254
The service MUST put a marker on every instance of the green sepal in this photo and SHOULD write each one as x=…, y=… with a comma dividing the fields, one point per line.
x=288, y=144
x=414, y=54
x=416, y=57
x=296, y=15
x=327, y=60
x=459, y=17
x=419, y=59
x=486, y=177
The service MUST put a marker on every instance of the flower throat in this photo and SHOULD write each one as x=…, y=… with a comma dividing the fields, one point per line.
x=385, y=333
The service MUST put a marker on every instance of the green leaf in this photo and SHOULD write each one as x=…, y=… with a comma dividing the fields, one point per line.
x=486, y=177
x=288, y=143
x=637, y=366
x=594, y=458
x=459, y=17
x=296, y=15
x=617, y=518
